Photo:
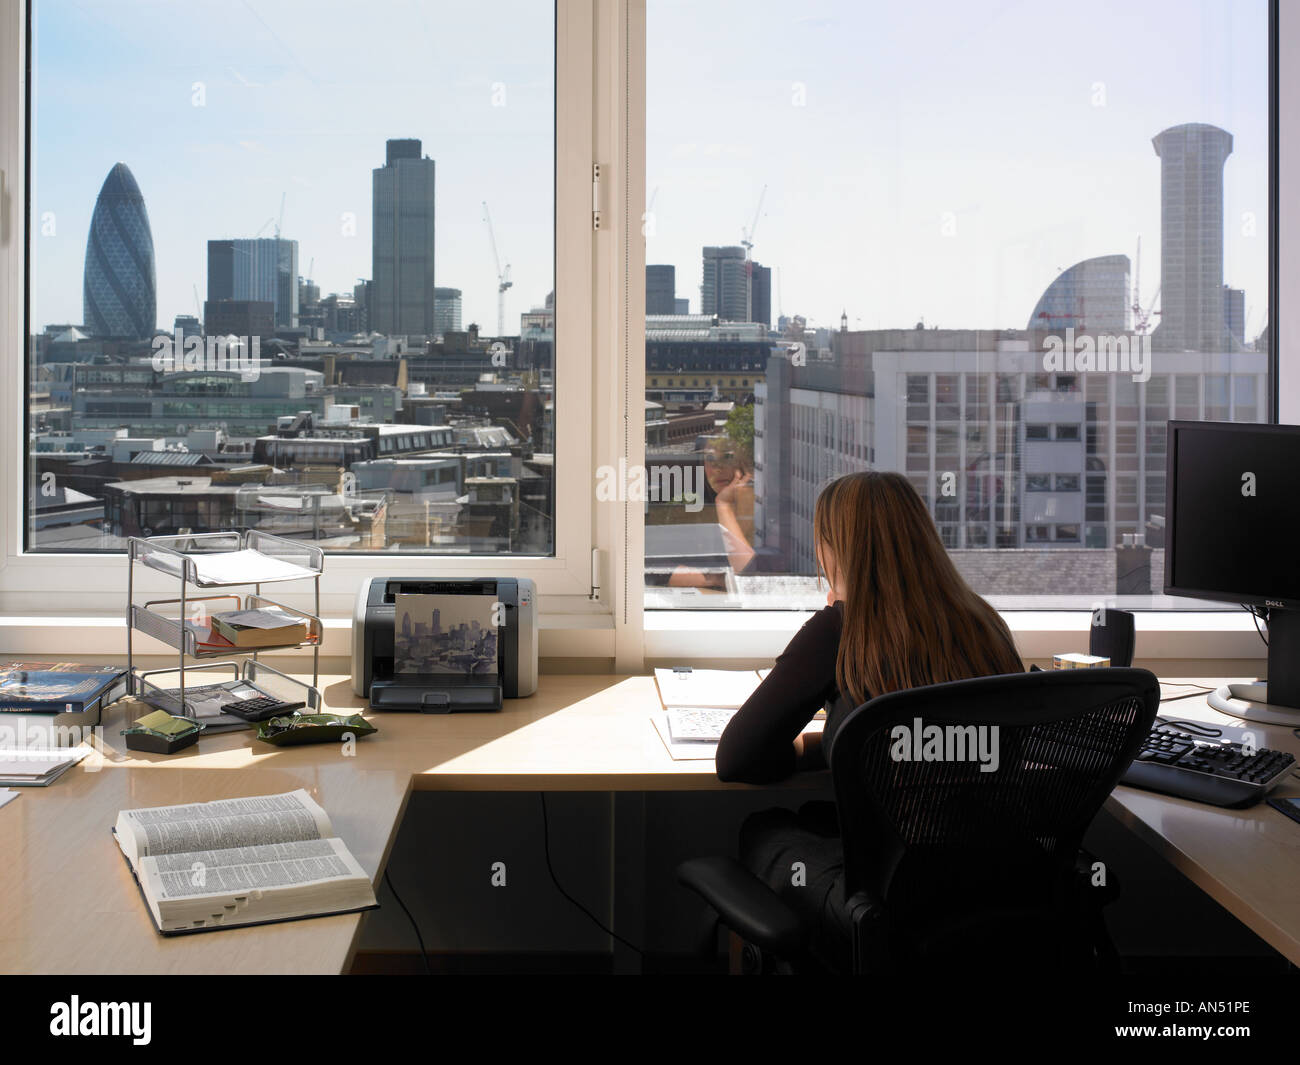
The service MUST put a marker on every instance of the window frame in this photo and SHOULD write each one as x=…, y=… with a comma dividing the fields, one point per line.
x=77, y=584
x=605, y=39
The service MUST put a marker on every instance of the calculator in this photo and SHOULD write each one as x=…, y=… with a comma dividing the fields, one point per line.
x=260, y=707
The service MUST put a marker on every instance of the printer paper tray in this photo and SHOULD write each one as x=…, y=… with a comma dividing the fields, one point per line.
x=431, y=698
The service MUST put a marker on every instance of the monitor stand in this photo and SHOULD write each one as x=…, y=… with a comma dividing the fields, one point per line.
x=1277, y=700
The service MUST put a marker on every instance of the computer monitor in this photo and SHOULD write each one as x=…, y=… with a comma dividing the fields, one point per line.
x=1232, y=532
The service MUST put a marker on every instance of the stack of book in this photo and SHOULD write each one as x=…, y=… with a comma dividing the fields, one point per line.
x=54, y=704
x=263, y=627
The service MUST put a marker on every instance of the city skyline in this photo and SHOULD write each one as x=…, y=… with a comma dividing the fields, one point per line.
x=1010, y=238
x=297, y=102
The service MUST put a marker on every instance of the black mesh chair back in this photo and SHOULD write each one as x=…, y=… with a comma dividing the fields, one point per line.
x=963, y=806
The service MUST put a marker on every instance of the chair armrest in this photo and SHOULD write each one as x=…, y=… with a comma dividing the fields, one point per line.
x=745, y=904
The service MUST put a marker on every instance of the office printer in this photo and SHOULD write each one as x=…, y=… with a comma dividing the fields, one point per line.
x=438, y=646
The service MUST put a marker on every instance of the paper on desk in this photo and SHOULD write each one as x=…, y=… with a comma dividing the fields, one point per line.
x=696, y=751
x=705, y=689
x=7, y=794
x=37, y=761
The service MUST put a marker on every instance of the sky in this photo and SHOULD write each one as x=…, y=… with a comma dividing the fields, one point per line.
x=298, y=99
x=943, y=160
x=940, y=160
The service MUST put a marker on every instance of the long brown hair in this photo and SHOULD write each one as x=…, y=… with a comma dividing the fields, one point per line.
x=909, y=617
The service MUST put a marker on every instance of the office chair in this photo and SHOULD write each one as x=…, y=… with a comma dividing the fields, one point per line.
x=945, y=864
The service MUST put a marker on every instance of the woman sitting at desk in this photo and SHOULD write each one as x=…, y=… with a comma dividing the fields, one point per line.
x=898, y=616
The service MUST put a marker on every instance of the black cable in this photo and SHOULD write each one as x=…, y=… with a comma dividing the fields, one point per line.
x=1254, y=616
x=424, y=954
x=1197, y=690
x=1195, y=728
x=546, y=843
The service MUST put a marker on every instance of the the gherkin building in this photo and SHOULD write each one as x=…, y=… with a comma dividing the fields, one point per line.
x=120, y=297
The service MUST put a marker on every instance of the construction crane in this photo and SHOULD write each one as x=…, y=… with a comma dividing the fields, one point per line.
x=748, y=242
x=279, y=221
x=503, y=276
x=1142, y=315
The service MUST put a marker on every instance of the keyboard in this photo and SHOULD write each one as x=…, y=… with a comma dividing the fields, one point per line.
x=697, y=726
x=259, y=708
x=1218, y=770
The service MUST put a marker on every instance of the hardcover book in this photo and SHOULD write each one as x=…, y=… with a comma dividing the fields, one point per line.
x=257, y=860
x=58, y=687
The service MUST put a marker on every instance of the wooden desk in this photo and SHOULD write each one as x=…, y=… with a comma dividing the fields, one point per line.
x=1248, y=861
x=68, y=902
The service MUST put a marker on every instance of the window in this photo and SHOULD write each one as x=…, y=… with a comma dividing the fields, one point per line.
x=952, y=279
x=336, y=279
x=538, y=63
x=904, y=285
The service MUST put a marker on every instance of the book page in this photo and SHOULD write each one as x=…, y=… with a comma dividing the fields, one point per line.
x=246, y=869
x=226, y=823
x=708, y=689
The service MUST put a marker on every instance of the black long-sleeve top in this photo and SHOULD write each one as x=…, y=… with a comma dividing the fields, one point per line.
x=757, y=746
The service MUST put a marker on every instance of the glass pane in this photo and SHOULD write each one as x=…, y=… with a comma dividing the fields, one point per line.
x=1006, y=287
x=293, y=269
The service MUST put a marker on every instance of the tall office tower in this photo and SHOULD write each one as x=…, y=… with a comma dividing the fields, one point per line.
x=361, y=293
x=681, y=305
x=402, y=297
x=661, y=290
x=725, y=290
x=446, y=310
x=760, y=295
x=1191, y=238
x=263, y=269
x=1092, y=296
x=310, y=313
x=1234, y=312
x=119, y=294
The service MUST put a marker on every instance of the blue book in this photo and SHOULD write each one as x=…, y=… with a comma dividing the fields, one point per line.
x=59, y=687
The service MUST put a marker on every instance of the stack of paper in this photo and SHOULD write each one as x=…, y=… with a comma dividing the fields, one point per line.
x=707, y=689
x=36, y=768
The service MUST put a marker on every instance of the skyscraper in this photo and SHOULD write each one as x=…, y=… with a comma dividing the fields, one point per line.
x=760, y=294
x=402, y=297
x=725, y=289
x=1091, y=295
x=1234, y=312
x=263, y=269
x=446, y=310
x=661, y=290
x=120, y=290
x=1191, y=238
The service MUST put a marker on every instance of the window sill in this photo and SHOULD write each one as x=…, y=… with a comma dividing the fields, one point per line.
x=560, y=636
x=761, y=635
x=704, y=636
